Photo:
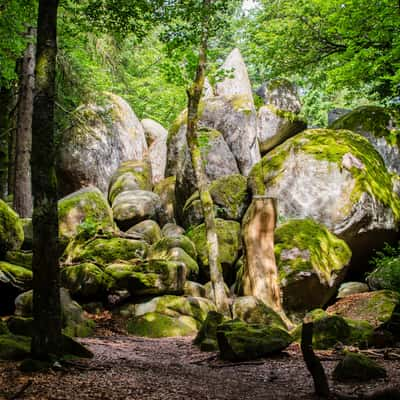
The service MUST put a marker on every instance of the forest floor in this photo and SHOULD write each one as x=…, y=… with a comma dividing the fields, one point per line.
x=127, y=367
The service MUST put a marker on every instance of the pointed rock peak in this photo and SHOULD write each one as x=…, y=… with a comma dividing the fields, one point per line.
x=208, y=90
x=237, y=82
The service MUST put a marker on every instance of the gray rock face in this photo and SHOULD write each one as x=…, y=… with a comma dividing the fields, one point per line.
x=378, y=125
x=275, y=126
x=134, y=206
x=156, y=136
x=100, y=139
x=237, y=81
x=281, y=94
x=208, y=90
x=336, y=113
x=313, y=176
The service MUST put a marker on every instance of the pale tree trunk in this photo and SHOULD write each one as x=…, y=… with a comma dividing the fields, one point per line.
x=194, y=96
x=260, y=276
x=22, y=174
x=47, y=338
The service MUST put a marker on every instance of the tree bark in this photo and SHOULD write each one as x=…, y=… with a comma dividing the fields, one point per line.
x=194, y=96
x=313, y=364
x=22, y=175
x=47, y=339
x=260, y=277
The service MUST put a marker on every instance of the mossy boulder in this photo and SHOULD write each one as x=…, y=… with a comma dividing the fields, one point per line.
x=172, y=230
x=85, y=211
x=166, y=191
x=3, y=328
x=358, y=367
x=239, y=341
x=194, y=289
x=229, y=242
x=311, y=262
x=153, y=277
x=20, y=325
x=14, y=348
x=86, y=281
x=386, y=275
x=381, y=309
x=133, y=206
x=131, y=175
x=28, y=233
x=20, y=257
x=105, y=251
x=148, y=229
x=11, y=230
x=253, y=311
x=99, y=139
x=169, y=316
x=336, y=178
x=163, y=246
x=206, y=338
x=230, y=198
x=380, y=126
x=348, y=288
x=73, y=319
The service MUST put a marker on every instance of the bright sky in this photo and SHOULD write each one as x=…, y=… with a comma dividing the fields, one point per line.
x=249, y=4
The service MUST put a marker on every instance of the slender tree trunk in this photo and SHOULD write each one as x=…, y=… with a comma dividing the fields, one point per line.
x=260, y=277
x=22, y=175
x=47, y=338
x=6, y=100
x=194, y=96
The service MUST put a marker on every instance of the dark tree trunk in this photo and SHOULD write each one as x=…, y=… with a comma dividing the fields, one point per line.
x=47, y=338
x=313, y=364
x=194, y=96
x=22, y=175
x=6, y=101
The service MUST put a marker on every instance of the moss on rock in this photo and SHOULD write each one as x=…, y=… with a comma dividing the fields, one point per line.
x=15, y=275
x=20, y=257
x=11, y=230
x=206, y=338
x=163, y=246
x=14, y=347
x=386, y=276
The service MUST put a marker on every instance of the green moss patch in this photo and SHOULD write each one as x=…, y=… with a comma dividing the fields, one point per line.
x=15, y=275
x=14, y=347
x=11, y=230
x=386, y=276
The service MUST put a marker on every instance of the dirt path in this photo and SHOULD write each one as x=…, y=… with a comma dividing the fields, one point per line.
x=173, y=369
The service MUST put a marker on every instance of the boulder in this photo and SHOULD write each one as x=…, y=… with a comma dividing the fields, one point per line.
x=131, y=175
x=163, y=246
x=156, y=136
x=15, y=276
x=230, y=198
x=85, y=211
x=99, y=140
x=348, y=288
x=379, y=125
x=386, y=275
x=169, y=316
x=134, y=206
x=166, y=191
x=237, y=80
x=85, y=280
x=311, y=261
x=180, y=256
x=22, y=258
x=380, y=309
x=14, y=347
x=229, y=246
x=148, y=229
x=194, y=289
x=172, y=230
x=11, y=230
x=253, y=311
x=28, y=233
x=358, y=367
x=105, y=251
x=206, y=338
x=153, y=277
x=275, y=126
x=238, y=341
x=336, y=113
x=336, y=178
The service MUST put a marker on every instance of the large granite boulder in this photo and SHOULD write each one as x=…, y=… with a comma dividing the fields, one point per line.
x=11, y=230
x=148, y=229
x=98, y=141
x=134, y=206
x=312, y=262
x=166, y=191
x=85, y=209
x=156, y=136
x=386, y=275
x=380, y=126
x=131, y=175
x=169, y=316
x=336, y=178
x=230, y=199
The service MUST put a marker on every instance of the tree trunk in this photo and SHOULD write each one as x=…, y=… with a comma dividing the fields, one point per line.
x=194, y=96
x=22, y=175
x=313, y=364
x=6, y=101
x=260, y=277
x=47, y=339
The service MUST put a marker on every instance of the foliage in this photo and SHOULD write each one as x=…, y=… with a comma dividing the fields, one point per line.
x=386, y=255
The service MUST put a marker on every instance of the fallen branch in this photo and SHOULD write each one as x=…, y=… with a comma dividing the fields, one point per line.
x=21, y=391
x=237, y=364
x=202, y=360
